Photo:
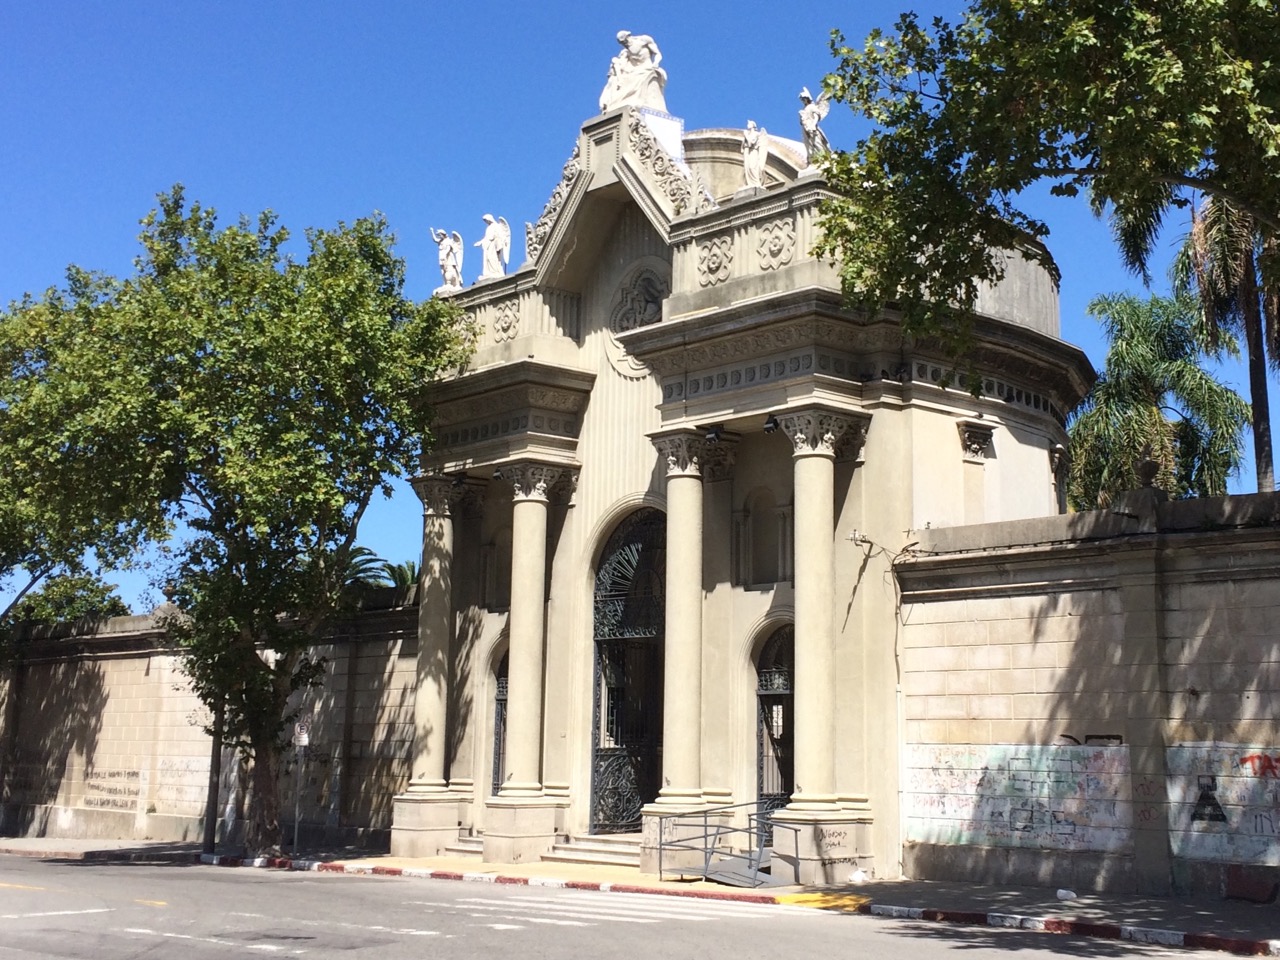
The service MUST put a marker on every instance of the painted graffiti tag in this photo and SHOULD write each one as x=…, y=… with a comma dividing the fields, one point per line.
x=1262, y=764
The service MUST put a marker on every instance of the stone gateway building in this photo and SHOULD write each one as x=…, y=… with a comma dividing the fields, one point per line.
x=664, y=504
x=702, y=543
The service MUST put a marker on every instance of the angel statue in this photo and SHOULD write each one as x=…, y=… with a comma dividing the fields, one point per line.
x=755, y=151
x=450, y=248
x=811, y=114
x=495, y=247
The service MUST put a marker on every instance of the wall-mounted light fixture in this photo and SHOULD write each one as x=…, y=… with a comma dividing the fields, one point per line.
x=771, y=424
x=714, y=433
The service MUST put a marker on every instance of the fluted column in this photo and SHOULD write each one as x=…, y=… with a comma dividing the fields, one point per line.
x=684, y=452
x=531, y=485
x=435, y=634
x=815, y=435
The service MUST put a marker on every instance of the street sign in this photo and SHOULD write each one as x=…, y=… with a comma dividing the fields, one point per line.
x=302, y=734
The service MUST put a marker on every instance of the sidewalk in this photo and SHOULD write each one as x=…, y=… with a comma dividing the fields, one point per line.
x=1228, y=925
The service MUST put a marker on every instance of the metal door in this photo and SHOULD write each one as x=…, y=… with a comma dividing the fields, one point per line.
x=628, y=625
x=775, y=739
x=499, y=724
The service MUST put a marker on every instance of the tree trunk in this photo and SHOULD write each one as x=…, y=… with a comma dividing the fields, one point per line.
x=1252, y=312
x=263, y=836
x=215, y=778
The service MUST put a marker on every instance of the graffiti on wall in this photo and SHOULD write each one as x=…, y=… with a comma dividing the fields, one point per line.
x=1006, y=795
x=1224, y=802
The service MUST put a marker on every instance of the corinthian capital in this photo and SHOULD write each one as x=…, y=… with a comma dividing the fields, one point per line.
x=684, y=450
x=821, y=432
x=439, y=494
x=531, y=481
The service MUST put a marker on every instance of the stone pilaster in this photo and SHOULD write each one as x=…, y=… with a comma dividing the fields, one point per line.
x=425, y=818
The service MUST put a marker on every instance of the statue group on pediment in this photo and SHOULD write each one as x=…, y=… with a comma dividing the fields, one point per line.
x=495, y=253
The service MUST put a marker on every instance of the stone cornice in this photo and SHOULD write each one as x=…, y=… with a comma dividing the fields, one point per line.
x=510, y=386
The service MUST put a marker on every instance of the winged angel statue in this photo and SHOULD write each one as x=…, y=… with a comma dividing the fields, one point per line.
x=495, y=247
x=450, y=249
x=811, y=114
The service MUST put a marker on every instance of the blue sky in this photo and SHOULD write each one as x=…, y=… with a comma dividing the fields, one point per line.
x=433, y=113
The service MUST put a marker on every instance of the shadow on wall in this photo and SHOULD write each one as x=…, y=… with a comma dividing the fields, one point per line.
x=462, y=665
x=1110, y=707
x=57, y=710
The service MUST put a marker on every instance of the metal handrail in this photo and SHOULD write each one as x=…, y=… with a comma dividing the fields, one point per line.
x=708, y=841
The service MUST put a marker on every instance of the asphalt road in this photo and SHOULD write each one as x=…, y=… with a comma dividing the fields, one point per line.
x=75, y=909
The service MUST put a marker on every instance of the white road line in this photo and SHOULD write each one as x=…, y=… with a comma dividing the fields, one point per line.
x=504, y=908
x=267, y=947
x=53, y=913
x=278, y=921
x=666, y=908
x=707, y=905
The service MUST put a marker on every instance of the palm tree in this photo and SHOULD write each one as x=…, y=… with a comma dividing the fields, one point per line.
x=1223, y=261
x=1153, y=399
x=401, y=575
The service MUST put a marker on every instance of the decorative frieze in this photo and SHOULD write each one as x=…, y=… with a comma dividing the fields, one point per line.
x=975, y=438
x=776, y=243
x=715, y=256
x=684, y=190
x=639, y=301
x=531, y=481
x=539, y=422
x=535, y=234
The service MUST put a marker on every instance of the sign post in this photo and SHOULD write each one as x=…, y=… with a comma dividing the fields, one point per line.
x=301, y=740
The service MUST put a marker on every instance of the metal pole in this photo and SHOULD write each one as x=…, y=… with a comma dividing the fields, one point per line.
x=211, y=795
x=297, y=795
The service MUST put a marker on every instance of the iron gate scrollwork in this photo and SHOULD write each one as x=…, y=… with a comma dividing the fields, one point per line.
x=775, y=743
x=500, y=724
x=629, y=617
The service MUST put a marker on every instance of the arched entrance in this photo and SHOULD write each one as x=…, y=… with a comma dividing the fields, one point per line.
x=775, y=726
x=629, y=614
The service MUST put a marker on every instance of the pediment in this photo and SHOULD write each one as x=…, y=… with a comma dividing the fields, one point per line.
x=630, y=156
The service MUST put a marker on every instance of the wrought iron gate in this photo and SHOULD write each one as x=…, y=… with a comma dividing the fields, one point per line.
x=775, y=742
x=626, y=768
x=499, y=724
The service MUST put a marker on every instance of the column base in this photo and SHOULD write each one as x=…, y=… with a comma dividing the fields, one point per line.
x=672, y=820
x=519, y=829
x=423, y=824
x=822, y=846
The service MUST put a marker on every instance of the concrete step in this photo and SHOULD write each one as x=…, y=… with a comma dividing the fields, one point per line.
x=466, y=847
x=621, y=850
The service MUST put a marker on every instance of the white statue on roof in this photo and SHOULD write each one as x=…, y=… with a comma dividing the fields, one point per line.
x=495, y=247
x=755, y=151
x=635, y=77
x=811, y=114
x=450, y=250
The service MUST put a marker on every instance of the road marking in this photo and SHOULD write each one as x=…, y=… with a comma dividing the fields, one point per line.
x=53, y=913
x=268, y=947
x=504, y=926
x=405, y=931
x=20, y=886
x=152, y=903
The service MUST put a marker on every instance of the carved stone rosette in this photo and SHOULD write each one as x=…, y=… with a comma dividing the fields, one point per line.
x=975, y=438
x=681, y=189
x=440, y=494
x=506, y=321
x=821, y=433
x=714, y=259
x=535, y=234
x=531, y=481
x=684, y=453
x=776, y=244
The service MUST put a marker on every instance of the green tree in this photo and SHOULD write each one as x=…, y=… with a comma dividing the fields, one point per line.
x=66, y=598
x=1219, y=263
x=260, y=400
x=1153, y=398
x=1136, y=103
x=401, y=575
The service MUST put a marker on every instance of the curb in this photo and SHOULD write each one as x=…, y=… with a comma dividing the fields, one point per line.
x=1081, y=928
x=1060, y=925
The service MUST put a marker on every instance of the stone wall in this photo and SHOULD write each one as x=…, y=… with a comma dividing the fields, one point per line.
x=1102, y=687
x=101, y=736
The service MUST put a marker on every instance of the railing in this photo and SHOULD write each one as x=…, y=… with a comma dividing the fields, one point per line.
x=719, y=839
